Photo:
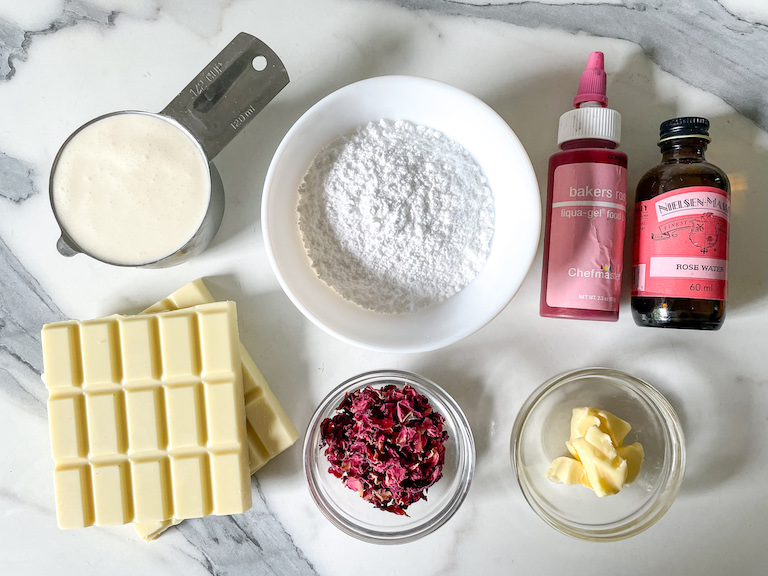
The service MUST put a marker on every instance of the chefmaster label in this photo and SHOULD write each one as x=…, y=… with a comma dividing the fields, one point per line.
x=589, y=204
x=681, y=244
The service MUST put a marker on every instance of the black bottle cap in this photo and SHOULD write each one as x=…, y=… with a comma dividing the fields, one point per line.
x=685, y=127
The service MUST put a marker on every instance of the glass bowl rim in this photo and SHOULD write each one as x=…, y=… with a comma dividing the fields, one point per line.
x=463, y=439
x=674, y=467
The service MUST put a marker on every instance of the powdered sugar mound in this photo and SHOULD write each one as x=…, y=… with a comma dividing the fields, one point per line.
x=395, y=216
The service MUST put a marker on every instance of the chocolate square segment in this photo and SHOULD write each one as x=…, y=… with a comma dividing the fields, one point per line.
x=105, y=414
x=151, y=490
x=100, y=348
x=145, y=413
x=68, y=436
x=179, y=343
x=186, y=416
x=140, y=351
x=61, y=355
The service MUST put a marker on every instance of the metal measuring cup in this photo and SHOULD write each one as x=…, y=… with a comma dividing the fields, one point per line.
x=211, y=110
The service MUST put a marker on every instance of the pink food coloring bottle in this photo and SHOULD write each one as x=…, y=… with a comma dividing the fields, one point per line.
x=586, y=208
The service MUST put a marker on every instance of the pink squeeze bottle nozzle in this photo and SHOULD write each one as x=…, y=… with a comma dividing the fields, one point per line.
x=592, y=83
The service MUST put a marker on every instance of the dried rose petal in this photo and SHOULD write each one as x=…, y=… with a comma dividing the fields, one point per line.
x=387, y=444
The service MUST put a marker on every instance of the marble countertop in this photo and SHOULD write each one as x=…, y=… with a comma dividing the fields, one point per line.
x=63, y=62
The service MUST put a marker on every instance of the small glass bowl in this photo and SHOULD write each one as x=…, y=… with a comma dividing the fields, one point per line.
x=349, y=512
x=543, y=426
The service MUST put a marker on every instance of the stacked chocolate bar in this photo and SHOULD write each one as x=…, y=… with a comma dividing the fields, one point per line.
x=157, y=417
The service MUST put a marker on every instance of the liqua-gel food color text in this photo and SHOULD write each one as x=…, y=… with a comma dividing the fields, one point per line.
x=586, y=208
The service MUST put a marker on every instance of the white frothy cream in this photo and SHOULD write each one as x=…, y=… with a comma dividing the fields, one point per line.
x=131, y=188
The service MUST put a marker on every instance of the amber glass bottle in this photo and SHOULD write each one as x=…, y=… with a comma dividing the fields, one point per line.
x=680, y=256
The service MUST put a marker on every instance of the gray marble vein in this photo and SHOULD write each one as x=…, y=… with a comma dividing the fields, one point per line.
x=15, y=42
x=24, y=308
x=254, y=543
x=16, y=179
x=699, y=41
x=17, y=176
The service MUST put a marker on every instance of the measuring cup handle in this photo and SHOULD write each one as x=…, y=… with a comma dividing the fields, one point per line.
x=228, y=92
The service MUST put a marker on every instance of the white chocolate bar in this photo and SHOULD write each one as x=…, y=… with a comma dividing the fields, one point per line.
x=269, y=430
x=146, y=417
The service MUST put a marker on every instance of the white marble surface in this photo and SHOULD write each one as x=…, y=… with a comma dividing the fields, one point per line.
x=64, y=62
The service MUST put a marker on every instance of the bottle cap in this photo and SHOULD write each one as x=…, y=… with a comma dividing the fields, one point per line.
x=590, y=123
x=684, y=127
x=591, y=119
x=592, y=83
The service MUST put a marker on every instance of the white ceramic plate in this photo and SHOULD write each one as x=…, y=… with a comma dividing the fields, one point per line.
x=461, y=117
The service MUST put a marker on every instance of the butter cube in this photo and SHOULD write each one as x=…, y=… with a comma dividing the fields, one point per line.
x=581, y=420
x=599, y=460
x=634, y=455
x=615, y=427
x=566, y=470
x=604, y=468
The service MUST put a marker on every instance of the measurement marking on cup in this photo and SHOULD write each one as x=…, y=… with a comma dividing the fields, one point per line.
x=207, y=79
x=242, y=117
x=214, y=72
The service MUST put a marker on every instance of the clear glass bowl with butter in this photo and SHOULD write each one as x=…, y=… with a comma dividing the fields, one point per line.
x=346, y=510
x=543, y=426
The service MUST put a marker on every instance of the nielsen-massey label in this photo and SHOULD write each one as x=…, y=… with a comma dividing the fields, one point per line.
x=681, y=244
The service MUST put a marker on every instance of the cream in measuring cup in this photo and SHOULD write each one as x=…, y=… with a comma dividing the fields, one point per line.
x=137, y=189
x=131, y=188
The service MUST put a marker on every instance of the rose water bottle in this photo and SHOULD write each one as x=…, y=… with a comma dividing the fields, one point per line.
x=682, y=212
x=586, y=208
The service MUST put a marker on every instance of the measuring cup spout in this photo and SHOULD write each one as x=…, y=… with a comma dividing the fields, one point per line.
x=64, y=248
